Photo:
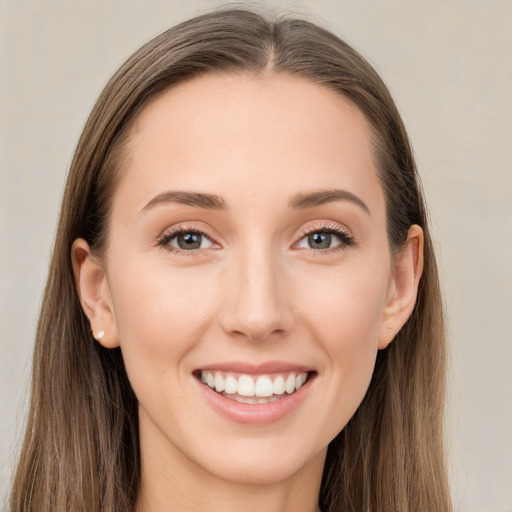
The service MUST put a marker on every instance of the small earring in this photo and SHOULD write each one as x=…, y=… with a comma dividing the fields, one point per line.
x=99, y=335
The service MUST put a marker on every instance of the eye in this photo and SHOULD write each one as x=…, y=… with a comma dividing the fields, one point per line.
x=186, y=240
x=325, y=238
x=318, y=240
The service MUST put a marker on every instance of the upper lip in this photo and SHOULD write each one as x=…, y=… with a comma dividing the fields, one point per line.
x=256, y=369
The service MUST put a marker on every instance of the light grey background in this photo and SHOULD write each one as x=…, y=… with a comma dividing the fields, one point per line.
x=449, y=67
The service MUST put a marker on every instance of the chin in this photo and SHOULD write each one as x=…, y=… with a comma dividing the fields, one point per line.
x=254, y=461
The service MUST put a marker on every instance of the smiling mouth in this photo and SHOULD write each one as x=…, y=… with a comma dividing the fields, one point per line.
x=254, y=389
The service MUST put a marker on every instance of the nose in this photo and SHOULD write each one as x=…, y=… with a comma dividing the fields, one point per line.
x=257, y=299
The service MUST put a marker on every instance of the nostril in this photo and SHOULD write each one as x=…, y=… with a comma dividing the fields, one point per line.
x=256, y=334
x=258, y=308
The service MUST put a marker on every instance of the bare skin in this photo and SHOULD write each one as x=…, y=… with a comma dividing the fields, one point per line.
x=266, y=268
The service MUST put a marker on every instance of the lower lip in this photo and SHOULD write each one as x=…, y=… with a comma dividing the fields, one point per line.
x=254, y=414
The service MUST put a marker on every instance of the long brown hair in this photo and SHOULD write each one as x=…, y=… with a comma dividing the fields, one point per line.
x=81, y=448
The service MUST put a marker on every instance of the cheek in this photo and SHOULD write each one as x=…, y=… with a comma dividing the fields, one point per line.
x=160, y=315
x=343, y=314
x=345, y=304
x=348, y=335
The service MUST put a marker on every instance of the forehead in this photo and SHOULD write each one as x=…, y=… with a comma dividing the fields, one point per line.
x=234, y=134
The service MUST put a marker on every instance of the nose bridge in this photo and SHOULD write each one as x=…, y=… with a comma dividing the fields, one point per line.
x=258, y=304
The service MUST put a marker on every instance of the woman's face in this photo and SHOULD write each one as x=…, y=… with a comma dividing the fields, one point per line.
x=247, y=248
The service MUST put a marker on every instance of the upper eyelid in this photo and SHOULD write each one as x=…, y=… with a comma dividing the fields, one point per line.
x=184, y=228
x=325, y=226
x=343, y=233
x=162, y=241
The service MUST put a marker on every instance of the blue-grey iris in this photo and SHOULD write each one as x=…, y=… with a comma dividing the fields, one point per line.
x=189, y=241
x=319, y=240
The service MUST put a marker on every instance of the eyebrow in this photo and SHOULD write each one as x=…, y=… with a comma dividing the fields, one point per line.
x=201, y=200
x=302, y=201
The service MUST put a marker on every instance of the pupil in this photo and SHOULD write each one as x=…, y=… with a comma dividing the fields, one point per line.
x=189, y=241
x=320, y=240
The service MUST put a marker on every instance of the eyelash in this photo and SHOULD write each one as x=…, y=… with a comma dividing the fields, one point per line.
x=346, y=239
x=163, y=240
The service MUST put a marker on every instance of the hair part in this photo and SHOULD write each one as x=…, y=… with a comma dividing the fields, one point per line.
x=81, y=448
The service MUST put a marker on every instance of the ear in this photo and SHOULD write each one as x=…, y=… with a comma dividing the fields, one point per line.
x=94, y=293
x=403, y=286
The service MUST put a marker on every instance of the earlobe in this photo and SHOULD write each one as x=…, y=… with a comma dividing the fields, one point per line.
x=403, y=289
x=94, y=293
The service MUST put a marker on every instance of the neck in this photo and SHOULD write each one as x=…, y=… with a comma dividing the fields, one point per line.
x=228, y=498
x=174, y=483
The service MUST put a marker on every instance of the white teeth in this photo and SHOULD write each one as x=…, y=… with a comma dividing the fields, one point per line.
x=246, y=399
x=298, y=382
x=290, y=383
x=279, y=386
x=230, y=385
x=272, y=398
x=219, y=383
x=249, y=389
x=245, y=386
x=264, y=387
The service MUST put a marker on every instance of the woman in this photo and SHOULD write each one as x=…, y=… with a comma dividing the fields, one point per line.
x=243, y=308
